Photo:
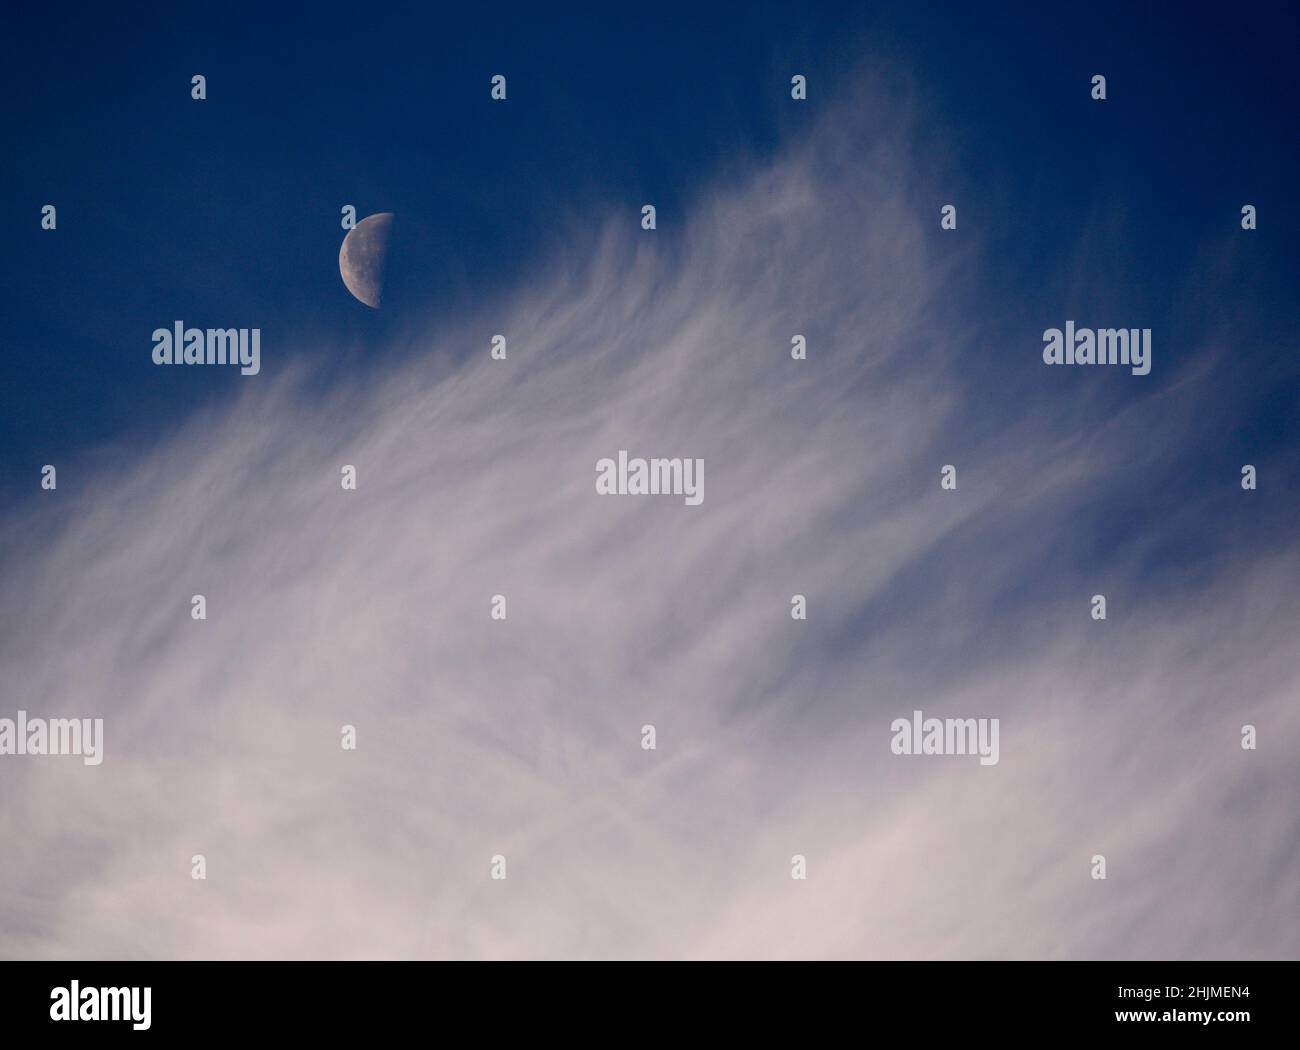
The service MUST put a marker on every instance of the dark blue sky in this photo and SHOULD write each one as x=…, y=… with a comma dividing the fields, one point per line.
x=226, y=212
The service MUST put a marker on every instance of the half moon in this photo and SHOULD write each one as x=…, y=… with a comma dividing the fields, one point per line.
x=363, y=258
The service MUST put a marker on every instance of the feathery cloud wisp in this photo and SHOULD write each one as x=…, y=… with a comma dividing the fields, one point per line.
x=522, y=737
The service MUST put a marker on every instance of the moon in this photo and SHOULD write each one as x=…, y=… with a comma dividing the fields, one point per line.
x=363, y=258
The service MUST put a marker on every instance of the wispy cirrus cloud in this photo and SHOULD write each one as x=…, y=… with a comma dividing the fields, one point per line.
x=521, y=737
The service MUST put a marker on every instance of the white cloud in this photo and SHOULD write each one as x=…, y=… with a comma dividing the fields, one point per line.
x=371, y=608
